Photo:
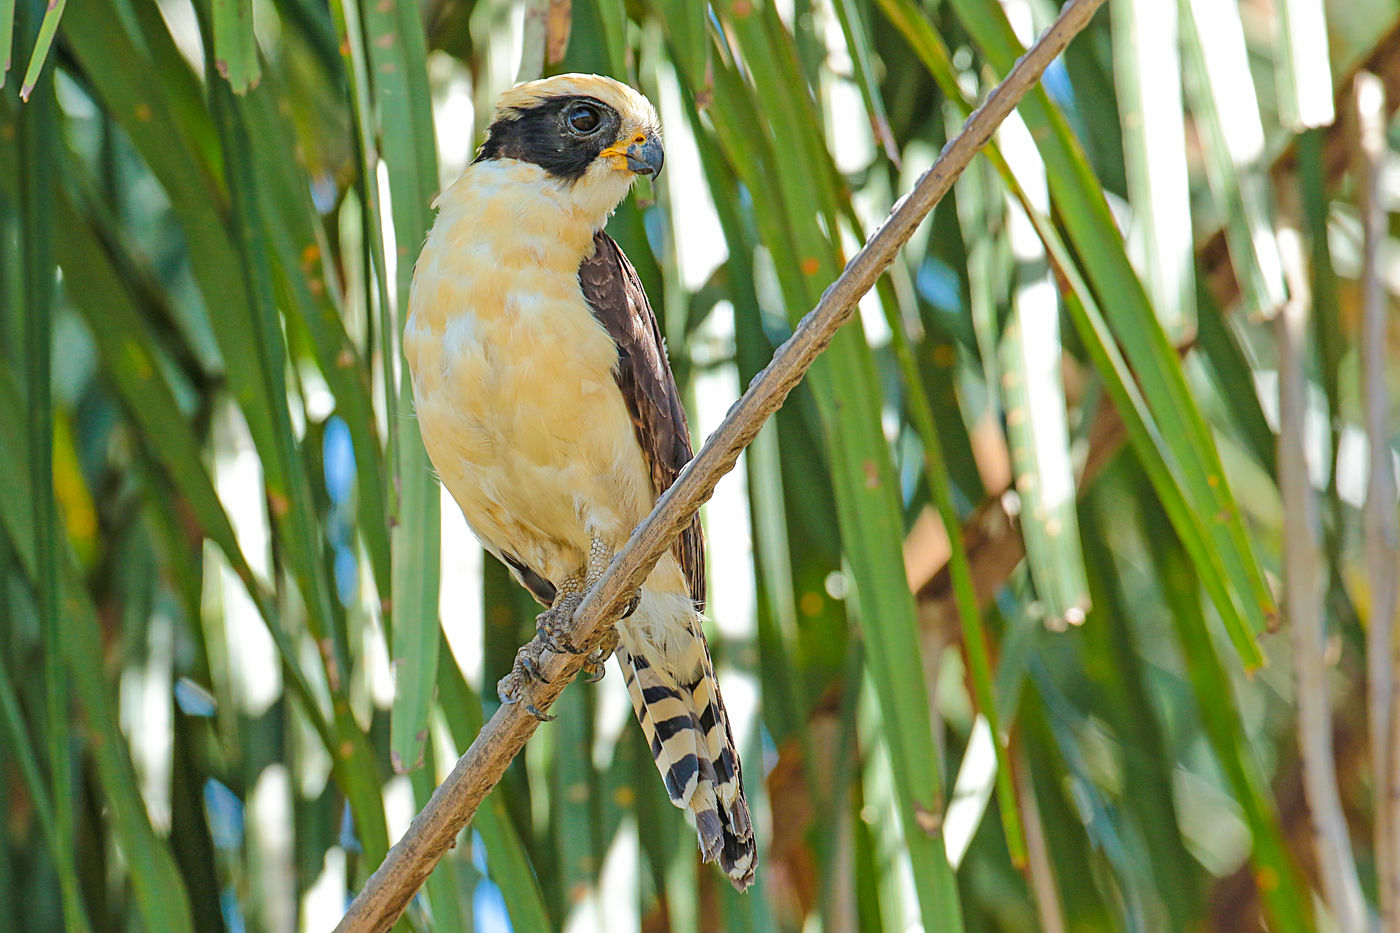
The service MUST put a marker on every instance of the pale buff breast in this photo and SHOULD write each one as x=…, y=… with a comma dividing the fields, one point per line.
x=512, y=375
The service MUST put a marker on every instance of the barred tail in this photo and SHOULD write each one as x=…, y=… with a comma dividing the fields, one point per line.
x=686, y=726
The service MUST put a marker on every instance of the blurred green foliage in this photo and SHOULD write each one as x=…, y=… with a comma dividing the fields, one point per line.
x=231, y=667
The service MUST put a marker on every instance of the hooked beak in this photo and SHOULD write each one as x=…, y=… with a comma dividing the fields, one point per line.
x=646, y=158
x=640, y=155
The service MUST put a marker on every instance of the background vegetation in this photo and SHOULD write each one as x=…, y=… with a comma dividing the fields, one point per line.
x=1140, y=361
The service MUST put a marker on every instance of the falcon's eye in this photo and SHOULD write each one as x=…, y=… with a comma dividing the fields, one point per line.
x=584, y=119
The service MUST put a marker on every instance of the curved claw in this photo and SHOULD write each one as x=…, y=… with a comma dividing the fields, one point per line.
x=561, y=645
x=506, y=690
x=528, y=665
x=552, y=625
x=596, y=672
x=518, y=685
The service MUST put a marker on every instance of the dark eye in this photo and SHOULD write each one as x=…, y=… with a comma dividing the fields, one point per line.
x=584, y=118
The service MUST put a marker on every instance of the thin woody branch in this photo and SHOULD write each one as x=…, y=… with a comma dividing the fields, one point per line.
x=453, y=804
x=1379, y=524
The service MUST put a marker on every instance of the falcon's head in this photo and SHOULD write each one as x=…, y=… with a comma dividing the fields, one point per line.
x=591, y=134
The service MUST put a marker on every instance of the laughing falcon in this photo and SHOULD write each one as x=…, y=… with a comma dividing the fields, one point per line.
x=549, y=411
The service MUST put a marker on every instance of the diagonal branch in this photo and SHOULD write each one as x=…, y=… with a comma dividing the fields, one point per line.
x=453, y=804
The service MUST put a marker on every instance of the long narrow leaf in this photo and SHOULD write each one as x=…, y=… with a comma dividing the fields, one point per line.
x=1222, y=94
x=7, y=19
x=235, y=47
x=1305, y=72
x=39, y=151
x=1148, y=67
x=394, y=39
x=48, y=27
x=1034, y=400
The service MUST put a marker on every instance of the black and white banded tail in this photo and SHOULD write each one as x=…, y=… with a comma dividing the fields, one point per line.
x=688, y=731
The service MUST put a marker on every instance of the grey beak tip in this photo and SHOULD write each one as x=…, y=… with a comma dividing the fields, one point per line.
x=646, y=158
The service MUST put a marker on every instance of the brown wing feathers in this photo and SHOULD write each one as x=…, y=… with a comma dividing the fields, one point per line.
x=615, y=294
x=684, y=722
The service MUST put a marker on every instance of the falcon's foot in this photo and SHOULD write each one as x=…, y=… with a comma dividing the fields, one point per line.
x=553, y=624
x=524, y=678
x=553, y=627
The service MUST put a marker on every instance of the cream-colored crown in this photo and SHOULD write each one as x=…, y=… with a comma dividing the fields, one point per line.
x=636, y=111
